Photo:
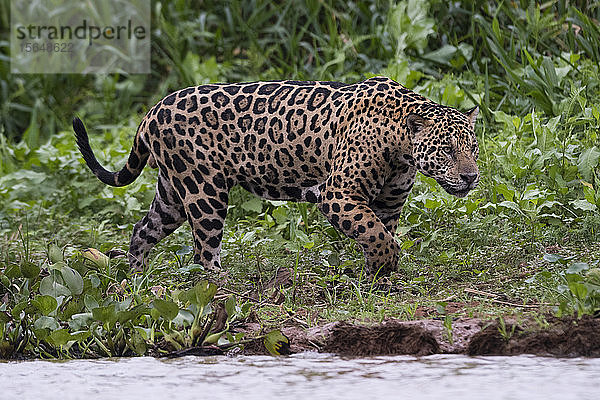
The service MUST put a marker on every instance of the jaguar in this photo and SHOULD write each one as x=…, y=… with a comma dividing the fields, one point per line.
x=353, y=149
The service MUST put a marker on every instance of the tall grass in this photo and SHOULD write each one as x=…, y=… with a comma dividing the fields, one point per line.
x=197, y=41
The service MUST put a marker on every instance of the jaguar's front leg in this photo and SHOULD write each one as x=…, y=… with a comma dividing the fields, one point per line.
x=390, y=200
x=351, y=214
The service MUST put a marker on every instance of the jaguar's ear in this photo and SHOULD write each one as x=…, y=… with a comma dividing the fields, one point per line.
x=472, y=115
x=415, y=123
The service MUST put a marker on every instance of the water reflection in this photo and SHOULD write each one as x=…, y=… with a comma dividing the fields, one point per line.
x=304, y=376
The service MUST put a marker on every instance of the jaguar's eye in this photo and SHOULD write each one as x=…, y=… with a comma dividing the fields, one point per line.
x=448, y=150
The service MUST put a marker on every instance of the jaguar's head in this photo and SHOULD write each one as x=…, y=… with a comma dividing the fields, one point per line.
x=444, y=147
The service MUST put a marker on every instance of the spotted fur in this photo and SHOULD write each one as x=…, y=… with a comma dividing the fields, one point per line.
x=353, y=149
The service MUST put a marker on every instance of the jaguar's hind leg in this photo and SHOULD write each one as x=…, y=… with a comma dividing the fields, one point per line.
x=206, y=211
x=165, y=215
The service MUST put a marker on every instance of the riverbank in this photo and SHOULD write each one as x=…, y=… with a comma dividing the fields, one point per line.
x=559, y=337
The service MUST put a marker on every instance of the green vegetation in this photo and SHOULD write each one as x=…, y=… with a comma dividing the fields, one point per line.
x=526, y=241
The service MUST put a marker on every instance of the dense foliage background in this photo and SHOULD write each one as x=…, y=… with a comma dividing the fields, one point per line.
x=531, y=67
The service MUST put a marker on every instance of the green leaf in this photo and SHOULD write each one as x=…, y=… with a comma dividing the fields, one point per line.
x=550, y=71
x=94, y=280
x=45, y=322
x=145, y=333
x=73, y=280
x=124, y=305
x=578, y=289
x=187, y=296
x=583, y=205
x=13, y=271
x=596, y=113
x=407, y=244
x=81, y=321
x=442, y=55
x=57, y=266
x=106, y=314
x=587, y=162
x=230, y=308
x=281, y=215
x=206, y=310
x=432, y=204
x=90, y=302
x=124, y=316
x=184, y=318
x=166, y=308
x=29, y=270
x=471, y=206
x=300, y=237
x=48, y=286
x=18, y=308
x=192, y=268
x=55, y=254
x=139, y=344
x=80, y=336
x=277, y=343
x=204, y=292
x=334, y=259
x=46, y=304
x=590, y=194
x=184, y=250
x=512, y=205
x=213, y=338
x=254, y=205
x=496, y=29
x=98, y=258
x=4, y=317
x=577, y=268
x=552, y=258
x=60, y=337
x=507, y=193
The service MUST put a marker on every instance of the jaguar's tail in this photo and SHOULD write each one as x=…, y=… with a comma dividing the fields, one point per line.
x=133, y=168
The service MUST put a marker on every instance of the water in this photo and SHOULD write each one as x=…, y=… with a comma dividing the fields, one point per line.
x=304, y=376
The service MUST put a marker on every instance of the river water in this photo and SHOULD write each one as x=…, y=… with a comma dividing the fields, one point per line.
x=304, y=376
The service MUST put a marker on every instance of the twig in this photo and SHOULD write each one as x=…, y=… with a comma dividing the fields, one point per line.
x=481, y=293
x=449, y=298
x=238, y=294
x=506, y=303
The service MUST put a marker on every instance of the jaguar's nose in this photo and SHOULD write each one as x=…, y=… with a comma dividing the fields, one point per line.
x=469, y=177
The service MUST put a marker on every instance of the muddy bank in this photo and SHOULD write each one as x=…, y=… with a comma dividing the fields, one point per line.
x=567, y=337
x=562, y=338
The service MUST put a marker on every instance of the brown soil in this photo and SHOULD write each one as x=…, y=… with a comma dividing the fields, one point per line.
x=563, y=338
x=566, y=337
x=389, y=338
